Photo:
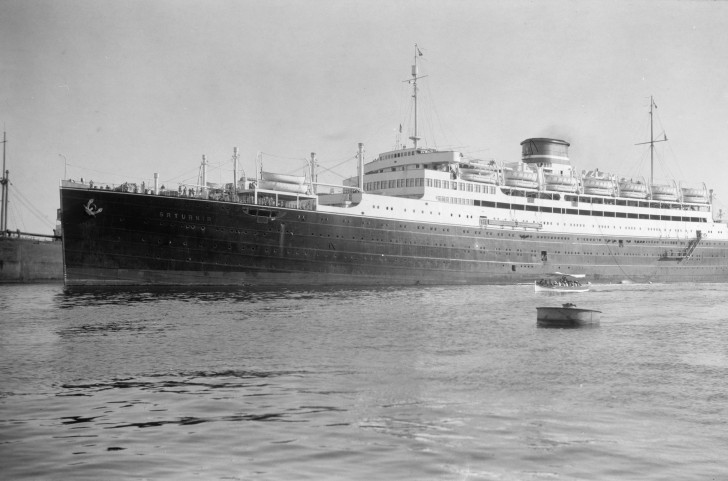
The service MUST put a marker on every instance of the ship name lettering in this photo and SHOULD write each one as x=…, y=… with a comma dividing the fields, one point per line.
x=190, y=217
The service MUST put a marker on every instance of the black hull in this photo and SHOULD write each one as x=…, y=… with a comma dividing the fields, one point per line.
x=118, y=238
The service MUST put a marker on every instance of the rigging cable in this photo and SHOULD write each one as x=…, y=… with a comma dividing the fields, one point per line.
x=25, y=202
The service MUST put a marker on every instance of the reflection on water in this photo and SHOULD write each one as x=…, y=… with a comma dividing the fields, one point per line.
x=391, y=383
x=98, y=296
x=227, y=384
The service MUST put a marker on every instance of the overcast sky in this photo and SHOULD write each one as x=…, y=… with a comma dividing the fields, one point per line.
x=116, y=90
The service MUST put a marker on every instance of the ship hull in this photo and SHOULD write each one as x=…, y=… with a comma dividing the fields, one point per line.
x=565, y=317
x=120, y=238
x=25, y=260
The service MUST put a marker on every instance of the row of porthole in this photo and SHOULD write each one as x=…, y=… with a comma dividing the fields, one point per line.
x=202, y=228
x=391, y=259
x=219, y=229
x=230, y=246
x=184, y=244
x=268, y=251
x=422, y=212
x=395, y=259
x=302, y=217
x=187, y=226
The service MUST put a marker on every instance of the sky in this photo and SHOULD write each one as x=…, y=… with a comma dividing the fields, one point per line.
x=115, y=91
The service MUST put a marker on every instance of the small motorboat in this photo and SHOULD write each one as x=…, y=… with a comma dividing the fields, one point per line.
x=568, y=315
x=558, y=282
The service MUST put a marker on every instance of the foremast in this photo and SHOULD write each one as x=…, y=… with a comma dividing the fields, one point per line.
x=414, y=138
x=4, y=176
x=652, y=141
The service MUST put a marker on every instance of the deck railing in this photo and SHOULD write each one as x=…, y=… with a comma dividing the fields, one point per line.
x=252, y=196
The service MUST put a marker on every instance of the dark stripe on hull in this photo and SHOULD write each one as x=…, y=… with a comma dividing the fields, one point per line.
x=137, y=239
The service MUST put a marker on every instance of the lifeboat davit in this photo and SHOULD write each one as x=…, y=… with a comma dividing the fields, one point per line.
x=697, y=196
x=664, y=192
x=521, y=178
x=560, y=183
x=633, y=190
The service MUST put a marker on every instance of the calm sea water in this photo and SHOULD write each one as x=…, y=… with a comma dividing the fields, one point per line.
x=435, y=383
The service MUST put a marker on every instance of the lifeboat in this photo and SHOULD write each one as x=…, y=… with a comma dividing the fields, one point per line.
x=283, y=186
x=633, y=190
x=478, y=164
x=664, y=192
x=596, y=186
x=478, y=175
x=283, y=182
x=284, y=178
x=693, y=195
x=521, y=178
x=560, y=183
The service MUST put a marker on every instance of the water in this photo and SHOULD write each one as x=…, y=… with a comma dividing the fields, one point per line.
x=441, y=383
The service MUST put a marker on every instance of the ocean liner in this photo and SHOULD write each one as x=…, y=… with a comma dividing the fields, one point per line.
x=410, y=216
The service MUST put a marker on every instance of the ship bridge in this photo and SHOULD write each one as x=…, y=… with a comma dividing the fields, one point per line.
x=398, y=159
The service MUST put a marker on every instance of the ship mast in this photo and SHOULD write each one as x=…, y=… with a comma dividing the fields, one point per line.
x=4, y=202
x=414, y=137
x=312, y=166
x=652, y=141
x=235, y=170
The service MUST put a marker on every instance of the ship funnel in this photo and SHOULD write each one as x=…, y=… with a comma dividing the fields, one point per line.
x=156, y=183
x=545, y=151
